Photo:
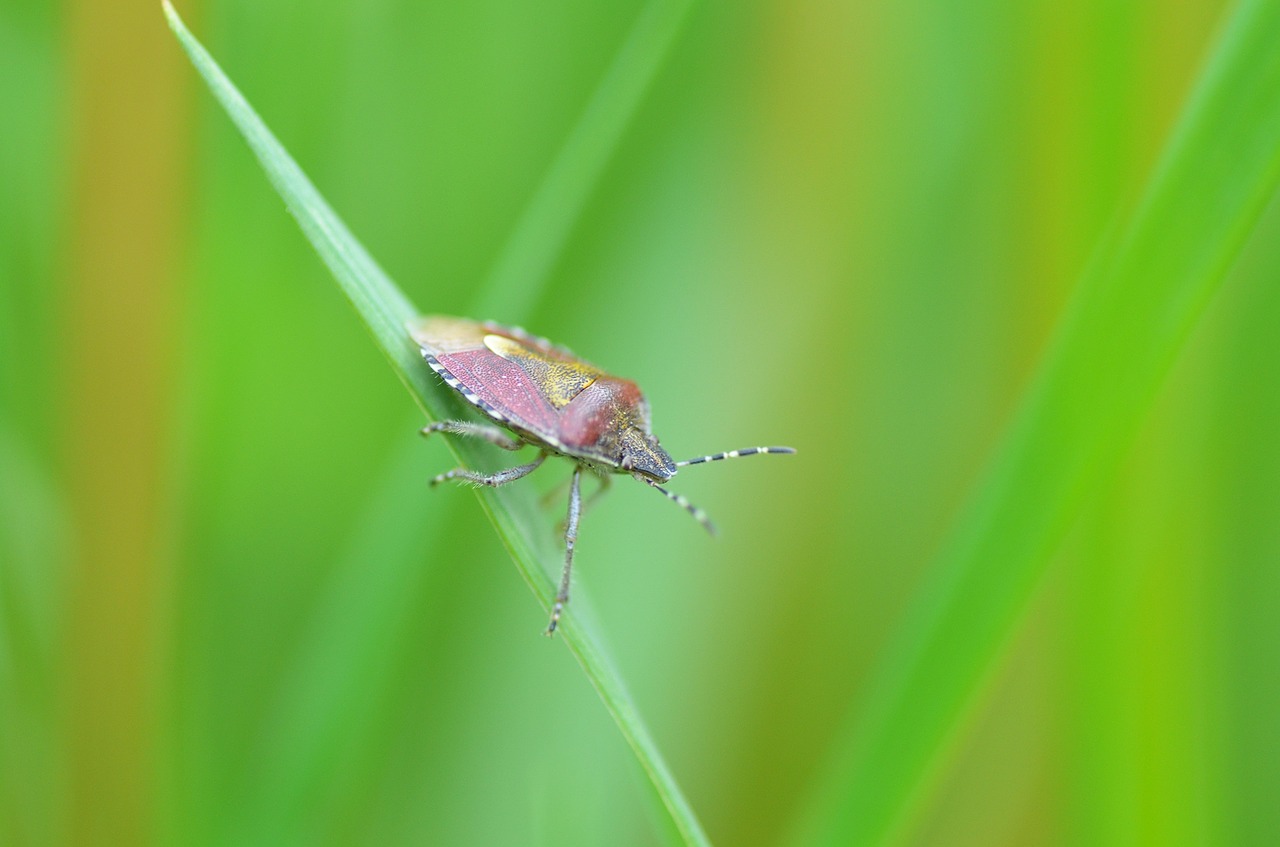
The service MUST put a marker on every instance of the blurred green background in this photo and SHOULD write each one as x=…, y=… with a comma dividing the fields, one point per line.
x=232, y=612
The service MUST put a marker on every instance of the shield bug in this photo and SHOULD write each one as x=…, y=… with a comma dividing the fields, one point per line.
x=546, y=397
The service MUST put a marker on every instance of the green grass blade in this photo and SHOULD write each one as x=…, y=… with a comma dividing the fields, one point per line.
x=376, y=298
x=1135, y=308
x=384, y=309
x=33, y=532
x=341, y=678
x=547, y=221
x=341, y=668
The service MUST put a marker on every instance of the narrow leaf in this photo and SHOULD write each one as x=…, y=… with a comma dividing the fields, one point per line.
x=343, y=664
x=539, y=237
x=385, y=309
x=1134, y=310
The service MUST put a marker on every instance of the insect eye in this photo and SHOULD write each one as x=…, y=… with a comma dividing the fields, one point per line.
x=624, y=461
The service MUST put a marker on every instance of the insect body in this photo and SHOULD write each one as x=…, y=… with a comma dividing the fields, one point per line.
x=548, y=398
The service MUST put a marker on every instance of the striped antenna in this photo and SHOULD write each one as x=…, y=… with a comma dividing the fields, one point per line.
x=734, y=454
x=698, y=515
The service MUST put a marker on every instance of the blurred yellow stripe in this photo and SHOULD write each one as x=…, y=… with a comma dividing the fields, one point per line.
x=127, y=146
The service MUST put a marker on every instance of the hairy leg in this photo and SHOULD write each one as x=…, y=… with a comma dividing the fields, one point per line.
x=489, y=433
x=491, y=480
x=570, y=538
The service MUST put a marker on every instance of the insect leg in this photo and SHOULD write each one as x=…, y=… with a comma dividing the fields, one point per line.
x=554, y=493
x=489, y=433
x=605, y=481
x=558, y=491
x=491, y=480
x=570, y=537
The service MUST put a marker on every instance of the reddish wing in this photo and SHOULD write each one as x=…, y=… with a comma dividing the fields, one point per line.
x=500, y=387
